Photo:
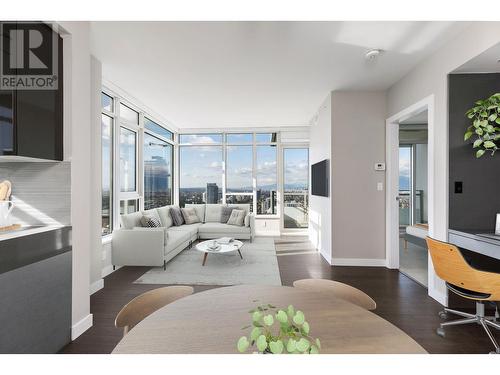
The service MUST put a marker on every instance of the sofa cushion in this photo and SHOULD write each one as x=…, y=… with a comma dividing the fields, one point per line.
x=164, y=214
x=151, y=213
x=176, y=215
x=191, y=229
x=242, y=206
x=129, y=221
x=222, y=229
x=212, y=213
x=190, y=216
x=150, y=222
x=237, y=218
x=247, y=220
x=175, y=238
x=200, y=210
x=225, y=214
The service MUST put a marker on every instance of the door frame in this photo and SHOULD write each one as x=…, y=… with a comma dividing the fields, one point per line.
x=435, y=285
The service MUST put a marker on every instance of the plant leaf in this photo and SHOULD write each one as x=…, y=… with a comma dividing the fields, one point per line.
x=282, y=317
x=318, y=343
x=477, y=143
x=480, y=153
x=305, y=328
x=243, y=344
x=256, y=332
x=256, y=316
x=291, y=346
x=268, y=320
x=313, y=350
x=261, y=343
x=489, y=144
x=303, y=344
x=276, y=347
x=299, y=317
x=468, y=135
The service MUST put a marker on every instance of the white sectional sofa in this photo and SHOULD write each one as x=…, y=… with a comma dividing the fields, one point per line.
x=135, y=245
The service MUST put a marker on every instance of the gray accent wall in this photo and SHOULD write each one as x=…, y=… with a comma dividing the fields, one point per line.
x=475, y=208
x=41, y=192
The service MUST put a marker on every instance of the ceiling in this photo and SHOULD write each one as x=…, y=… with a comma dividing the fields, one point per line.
x=486, y=62
x=256, y=74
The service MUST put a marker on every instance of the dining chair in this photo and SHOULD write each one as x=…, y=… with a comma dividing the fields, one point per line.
x=339, y=290
x=467, y=282
x=147, y=303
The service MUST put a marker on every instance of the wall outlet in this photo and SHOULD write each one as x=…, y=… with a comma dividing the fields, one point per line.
x=380, y=166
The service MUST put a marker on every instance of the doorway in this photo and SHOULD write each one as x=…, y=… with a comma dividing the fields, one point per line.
x=435, y=285
x=412, y=197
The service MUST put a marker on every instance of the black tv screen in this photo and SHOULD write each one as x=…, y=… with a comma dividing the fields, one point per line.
x=319, y=178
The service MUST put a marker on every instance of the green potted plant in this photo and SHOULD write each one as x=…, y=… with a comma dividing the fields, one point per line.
x=279, y=332
x=485, y=116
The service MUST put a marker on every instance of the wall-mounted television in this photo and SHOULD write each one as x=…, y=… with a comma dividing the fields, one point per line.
x=320, y=178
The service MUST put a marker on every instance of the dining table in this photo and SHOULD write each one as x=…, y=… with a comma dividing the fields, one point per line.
x=212, y=321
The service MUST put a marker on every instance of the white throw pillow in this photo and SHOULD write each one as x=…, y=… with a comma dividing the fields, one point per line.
x=237, y=218
x=190, y=216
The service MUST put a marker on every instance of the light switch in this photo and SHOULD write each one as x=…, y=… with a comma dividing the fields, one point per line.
x=380, y=186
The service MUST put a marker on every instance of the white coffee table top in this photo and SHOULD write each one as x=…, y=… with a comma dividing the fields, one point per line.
x=224, y=248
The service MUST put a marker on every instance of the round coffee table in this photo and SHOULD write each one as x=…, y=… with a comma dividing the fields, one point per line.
x=224, y=248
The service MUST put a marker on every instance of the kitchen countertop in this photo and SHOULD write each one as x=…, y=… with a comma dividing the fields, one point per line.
x=27, y=230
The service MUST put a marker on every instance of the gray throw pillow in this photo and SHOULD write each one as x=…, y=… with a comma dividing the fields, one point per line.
x=176, y=215
x=237, y=218
x=225, y=213
x=190, y=216
x=150, y=222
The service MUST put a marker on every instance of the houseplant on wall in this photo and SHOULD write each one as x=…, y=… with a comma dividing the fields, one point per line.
x=279, y=332
x=485, y=116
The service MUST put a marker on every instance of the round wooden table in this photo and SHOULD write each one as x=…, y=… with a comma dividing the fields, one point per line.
x=212, y=322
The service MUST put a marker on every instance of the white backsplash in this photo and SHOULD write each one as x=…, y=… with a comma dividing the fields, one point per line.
x=41, y=192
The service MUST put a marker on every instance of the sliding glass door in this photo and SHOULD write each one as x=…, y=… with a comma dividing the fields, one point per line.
x=295, y=187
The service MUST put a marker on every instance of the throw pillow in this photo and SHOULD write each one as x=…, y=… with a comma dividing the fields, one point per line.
x=190, y=216
x=176, y=215
x=150, y=222
x=247, y=220
x=225, y=213
x=237, y=218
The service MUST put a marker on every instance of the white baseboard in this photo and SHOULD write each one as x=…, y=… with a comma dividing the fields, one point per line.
x=326, y=257
x=267, y=234
x=80, y=327
x=108, y=269
x=96, y=286
x=358, y=262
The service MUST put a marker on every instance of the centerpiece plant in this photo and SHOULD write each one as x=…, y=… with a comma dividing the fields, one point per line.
x=279, y=332
x=485, y=128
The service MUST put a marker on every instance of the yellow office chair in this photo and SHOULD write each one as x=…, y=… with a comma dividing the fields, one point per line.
x=467, y=282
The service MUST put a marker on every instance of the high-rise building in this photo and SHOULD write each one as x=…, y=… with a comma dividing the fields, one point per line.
x=212, y=195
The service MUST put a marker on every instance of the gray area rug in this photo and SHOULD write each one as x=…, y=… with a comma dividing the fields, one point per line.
x=259, y=266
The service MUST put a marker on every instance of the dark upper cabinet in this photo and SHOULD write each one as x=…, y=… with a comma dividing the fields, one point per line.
x=31, y=121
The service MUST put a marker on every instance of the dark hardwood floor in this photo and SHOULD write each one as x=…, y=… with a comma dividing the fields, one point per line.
x=400, y=300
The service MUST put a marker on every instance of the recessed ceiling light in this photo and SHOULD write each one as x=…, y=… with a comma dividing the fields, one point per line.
x=373, y=54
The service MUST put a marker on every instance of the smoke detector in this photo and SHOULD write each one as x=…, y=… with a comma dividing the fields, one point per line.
x=373, y=54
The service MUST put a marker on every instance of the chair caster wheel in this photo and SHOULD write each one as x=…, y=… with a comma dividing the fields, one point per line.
x=440, y=332
x=494, y=352
x=443, y=314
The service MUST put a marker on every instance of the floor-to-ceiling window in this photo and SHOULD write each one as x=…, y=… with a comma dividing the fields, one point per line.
x=157, y=158
x=137, y=160
x=230, y=168
x=107, y=164
x=201, y=168
x=295, y=187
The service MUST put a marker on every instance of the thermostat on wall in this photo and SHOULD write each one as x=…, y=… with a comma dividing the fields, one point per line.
x=380, y=166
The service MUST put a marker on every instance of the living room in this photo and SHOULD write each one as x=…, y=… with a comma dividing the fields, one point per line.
x=248, y=169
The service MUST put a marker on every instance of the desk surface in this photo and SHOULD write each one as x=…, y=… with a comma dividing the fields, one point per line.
x=473, y=241
x=212, y=321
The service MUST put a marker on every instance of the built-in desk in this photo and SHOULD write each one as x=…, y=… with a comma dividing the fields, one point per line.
x=473, y=241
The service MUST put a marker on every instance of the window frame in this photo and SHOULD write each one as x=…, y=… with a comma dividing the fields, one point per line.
x=139, y=129
x=225, y=146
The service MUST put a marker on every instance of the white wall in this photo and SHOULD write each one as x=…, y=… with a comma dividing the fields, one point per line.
x=78, y=150
x=430, y=78
x=320, y=208
x=358, y=136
